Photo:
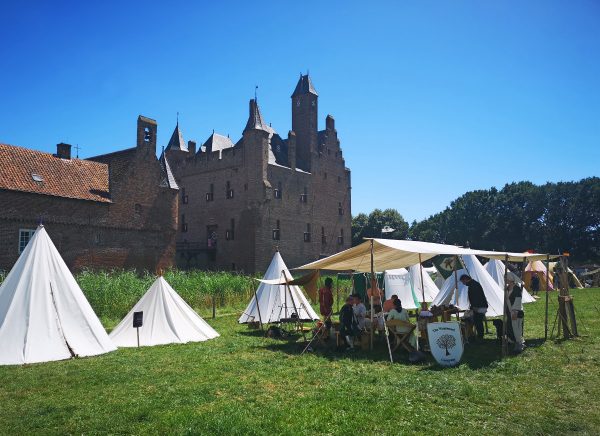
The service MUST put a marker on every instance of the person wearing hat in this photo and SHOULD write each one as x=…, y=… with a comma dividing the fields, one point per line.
x=516, y=315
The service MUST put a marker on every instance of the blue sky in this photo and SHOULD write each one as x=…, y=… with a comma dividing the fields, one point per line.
x=431, y=99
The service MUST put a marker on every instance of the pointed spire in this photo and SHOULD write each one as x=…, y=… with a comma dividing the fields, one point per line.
x=255, y=119
x=176, y=142
x=304, y=86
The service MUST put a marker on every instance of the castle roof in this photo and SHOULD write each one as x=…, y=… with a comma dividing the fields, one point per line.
x=169, y=180
x=176, y=142
x=304, y=86
x=255, y=119
x=216, y=142
x=37, y=172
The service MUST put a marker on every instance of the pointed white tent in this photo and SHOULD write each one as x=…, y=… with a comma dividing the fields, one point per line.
x=493, y=293
x=276, y=301
x=406, y=284
x=496, y=269
x=44, y=315
x=167, y=319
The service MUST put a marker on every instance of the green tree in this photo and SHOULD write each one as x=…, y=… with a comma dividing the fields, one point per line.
x=370, y=226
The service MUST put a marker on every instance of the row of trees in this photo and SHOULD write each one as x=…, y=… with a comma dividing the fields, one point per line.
x=549, y=218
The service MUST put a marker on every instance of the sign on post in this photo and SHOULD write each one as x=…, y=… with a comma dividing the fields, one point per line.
x=138, y=321
x=445, y=342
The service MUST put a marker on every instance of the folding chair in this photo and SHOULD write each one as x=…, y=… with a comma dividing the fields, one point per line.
x=401, y=338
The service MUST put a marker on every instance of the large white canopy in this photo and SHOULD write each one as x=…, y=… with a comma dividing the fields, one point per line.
x=276, y=301
x=406, y=284
x=44, y=315
x=392, y=254
x=496, y=269
x=493, y=293
x=167, y=319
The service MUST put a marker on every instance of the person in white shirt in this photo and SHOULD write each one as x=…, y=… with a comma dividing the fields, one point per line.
x=401, y=314
x=360, y=311
x=516, y=315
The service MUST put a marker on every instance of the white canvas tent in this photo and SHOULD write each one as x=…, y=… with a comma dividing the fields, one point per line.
x=493, y=292
x=406, y=284
x=167, y=319
x=496, y=269
x=44, y=315
x=276, y=301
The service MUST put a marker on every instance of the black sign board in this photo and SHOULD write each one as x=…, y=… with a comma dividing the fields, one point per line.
x=138, y=319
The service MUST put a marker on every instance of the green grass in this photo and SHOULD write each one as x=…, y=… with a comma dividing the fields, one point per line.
x=243, y=383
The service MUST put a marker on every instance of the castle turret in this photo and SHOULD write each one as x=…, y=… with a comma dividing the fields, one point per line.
x=304, y=121
x=146, y=134
x=256, y=141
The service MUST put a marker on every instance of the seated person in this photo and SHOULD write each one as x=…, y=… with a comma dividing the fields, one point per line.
x=401, y=314
x=360, y=311
x=377, y=296
x=348, y=325
x=389, y=304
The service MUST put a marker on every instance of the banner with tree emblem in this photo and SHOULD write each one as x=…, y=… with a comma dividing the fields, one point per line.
x=445, y=264
x=445, y=342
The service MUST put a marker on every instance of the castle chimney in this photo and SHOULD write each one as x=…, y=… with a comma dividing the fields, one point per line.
x=292, y=149
x=192, y=147
x=329, y=123
x=63, y=150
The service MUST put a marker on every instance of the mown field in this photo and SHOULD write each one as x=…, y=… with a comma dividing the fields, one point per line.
x=243, y=383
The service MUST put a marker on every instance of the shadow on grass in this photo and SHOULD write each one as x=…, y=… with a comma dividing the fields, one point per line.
x=477, y=355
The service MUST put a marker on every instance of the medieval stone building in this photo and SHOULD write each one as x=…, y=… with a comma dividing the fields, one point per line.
x=118, y=210
x=240, y=202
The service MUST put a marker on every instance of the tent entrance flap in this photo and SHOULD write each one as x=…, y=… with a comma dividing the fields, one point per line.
x=58, y=321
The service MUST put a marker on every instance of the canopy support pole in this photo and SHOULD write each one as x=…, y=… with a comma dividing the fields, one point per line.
x=422, y=284
x=456, y=286
x=504, y=310
x=374, y=281
x=547, y=292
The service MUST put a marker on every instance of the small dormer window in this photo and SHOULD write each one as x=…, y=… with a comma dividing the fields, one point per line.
x=37, y=177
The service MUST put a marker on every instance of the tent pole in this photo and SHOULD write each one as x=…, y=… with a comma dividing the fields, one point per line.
x=456, y=284
x=373, y=287
x=422, y=285
x=547, y=289
x=373, y=280
x=258, y=309
x=504, y=311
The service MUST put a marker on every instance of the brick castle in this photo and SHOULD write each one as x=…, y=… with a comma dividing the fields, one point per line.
x=220, y=206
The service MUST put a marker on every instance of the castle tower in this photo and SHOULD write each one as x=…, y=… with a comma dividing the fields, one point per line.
x=304, y=121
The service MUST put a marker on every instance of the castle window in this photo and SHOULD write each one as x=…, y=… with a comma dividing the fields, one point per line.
x=147, y=134
x=325, y=176
x=230, y=234
x=137, y=209
x=97, y=239
x=323, y=237
x=307, y=233
x=277, y=191
x=339, y=179
x=184, y=226
x=341, y=237
x=245, y=186
x=184, y=197
x=228, y=191
x=304, y=197
x=24, y=236
x=210, y=195
x=340, y=209
x=277, y=232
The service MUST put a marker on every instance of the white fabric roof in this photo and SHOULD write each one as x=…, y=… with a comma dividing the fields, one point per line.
x=406, y=284
x=392, y=254
x=277, y=301
x=43, y=312
x=493, y=292
x=167, y=319
x=496, y=269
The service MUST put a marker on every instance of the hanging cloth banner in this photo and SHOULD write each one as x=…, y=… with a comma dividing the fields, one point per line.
x=445, y=265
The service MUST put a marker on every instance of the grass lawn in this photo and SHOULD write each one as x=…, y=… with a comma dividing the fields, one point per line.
x=243, y=383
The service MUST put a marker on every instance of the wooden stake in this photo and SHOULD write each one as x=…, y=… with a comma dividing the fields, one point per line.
x=504, y=311
x=214, y=307
x=547, y=296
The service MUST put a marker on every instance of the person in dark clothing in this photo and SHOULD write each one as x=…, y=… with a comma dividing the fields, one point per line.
x=535, y=284
x=477, y=301
x=348, y=324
